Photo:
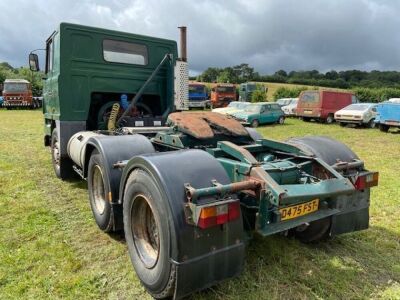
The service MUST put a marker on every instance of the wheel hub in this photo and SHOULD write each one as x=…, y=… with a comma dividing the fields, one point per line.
x=145, y=231
x=99, y=195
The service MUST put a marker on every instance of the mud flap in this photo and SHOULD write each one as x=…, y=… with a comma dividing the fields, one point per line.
x=207, y=270
x=353, y=215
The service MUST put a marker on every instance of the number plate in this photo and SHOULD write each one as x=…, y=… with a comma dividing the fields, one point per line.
x=308, y=112
x=295, y=211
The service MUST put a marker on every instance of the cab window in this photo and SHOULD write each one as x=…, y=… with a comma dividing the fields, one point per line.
x=124, y=52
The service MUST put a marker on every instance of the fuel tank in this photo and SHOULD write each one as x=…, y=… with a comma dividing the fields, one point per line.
x=76, y=147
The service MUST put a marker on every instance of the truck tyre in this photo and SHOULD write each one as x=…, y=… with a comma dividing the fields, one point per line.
x=148, y=235
x=330, y=119
x=383, y=127
x=313, y=232
x=255, y=123
x=99, y=189
x=62, y=165
x=281, y=120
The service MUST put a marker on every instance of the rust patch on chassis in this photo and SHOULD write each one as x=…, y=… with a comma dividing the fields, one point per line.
x=203, y=125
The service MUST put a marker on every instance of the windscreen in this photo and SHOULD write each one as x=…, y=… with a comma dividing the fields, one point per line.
x=310, y=97
x=200, y=89
x=15, y=87
x=253, y=108
x=225, y=89
x=357, y=107
x=234, y=104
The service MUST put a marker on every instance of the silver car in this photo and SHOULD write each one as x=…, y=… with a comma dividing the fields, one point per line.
x=359, y=114
x=290, y=109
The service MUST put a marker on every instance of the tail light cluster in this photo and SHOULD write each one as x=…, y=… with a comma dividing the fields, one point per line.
x=367, y=180
x=215, y=214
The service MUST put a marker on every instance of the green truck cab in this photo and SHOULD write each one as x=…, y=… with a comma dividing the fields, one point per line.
x=188, y=189
x=246, y=90
x=88, y=69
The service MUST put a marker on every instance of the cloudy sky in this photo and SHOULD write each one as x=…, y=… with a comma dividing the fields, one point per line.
x=269, y=35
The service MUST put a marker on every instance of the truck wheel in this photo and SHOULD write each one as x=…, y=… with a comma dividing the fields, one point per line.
x=281, y=120
x=99, y=189
x=383, y=127
x=62, y=165
x=314, y=231
x=147, y=234
x=330, y=119
x=255, y=123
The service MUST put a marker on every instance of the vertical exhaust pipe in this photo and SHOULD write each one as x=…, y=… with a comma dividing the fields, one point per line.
x=183, y=43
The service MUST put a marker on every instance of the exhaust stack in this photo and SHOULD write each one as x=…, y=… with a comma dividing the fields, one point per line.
x=183, y=43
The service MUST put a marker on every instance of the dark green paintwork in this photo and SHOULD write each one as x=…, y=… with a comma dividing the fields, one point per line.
x=79, y=69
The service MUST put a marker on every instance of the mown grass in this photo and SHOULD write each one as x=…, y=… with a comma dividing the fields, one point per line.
x=50, y=246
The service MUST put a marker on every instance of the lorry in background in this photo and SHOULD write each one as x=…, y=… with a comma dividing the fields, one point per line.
x=246, y=90
x=198, y=95
x=187, y=188
x=322, y=105
x=222, y=94
x=17, y=93
x=388, y=114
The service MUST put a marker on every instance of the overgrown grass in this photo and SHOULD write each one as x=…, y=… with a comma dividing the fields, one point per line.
x=50, y=246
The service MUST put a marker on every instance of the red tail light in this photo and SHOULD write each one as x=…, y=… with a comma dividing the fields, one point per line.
x=218, y=214
x=367, y=181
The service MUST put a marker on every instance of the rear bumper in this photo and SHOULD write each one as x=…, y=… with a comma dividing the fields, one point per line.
x=352, y=121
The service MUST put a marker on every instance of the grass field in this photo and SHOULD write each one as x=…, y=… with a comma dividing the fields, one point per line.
x=51, y=248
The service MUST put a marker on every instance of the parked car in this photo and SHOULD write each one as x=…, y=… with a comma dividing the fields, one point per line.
x=388, y=115
x=1, y=101
x=260, y=113
x=359, y=114
x=290, y=109
x=322, y=105
x=285, y=101
x=233, y=107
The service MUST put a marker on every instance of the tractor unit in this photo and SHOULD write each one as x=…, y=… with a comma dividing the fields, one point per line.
x=188, y=189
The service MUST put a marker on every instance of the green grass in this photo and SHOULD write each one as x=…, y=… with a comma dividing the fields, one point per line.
x=50, y=246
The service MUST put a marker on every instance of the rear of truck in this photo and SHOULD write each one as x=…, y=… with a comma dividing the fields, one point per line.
x=189, y=194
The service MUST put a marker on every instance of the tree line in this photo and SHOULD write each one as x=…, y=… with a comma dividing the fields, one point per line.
x=332, y=79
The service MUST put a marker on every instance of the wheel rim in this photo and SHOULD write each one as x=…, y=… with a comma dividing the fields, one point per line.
x=281, y=120
x=99, y=196
x=145, y=231
x=372, y=124
x=56, y=155
x=329, y=120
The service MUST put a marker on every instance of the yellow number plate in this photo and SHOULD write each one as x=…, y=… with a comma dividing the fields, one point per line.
x=308, y=112
x=295, y=211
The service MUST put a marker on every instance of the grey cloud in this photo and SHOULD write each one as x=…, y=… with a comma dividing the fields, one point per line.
x=269, y=35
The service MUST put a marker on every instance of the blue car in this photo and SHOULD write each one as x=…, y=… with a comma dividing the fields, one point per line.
x=388, y=114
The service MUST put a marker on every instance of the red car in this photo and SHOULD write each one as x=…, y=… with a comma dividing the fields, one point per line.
x=322, y=105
